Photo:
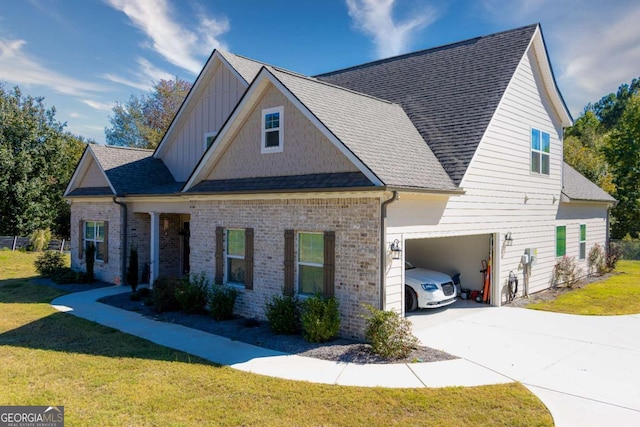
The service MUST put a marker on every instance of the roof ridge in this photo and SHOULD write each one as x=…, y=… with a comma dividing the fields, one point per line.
x=423, y=51
x=149, y=150
x=342, y=88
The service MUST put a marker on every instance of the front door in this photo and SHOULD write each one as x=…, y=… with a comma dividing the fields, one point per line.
x=185, y=248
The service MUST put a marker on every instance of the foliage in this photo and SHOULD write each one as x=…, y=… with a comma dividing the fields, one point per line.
x=40, y=239
x=50, y=261
x=222, y=300
x=613, y=256
x=628, y=247
x=596, y=260
x=90, y=255
x=37, y=159
x=132, y=272
x=142, y=121
x=566, y=272
x=66, y=275
x=389, y=334
x=193, y=294
x=283, y=313
x=163, y=295
x=611, y=107
x=320, y=318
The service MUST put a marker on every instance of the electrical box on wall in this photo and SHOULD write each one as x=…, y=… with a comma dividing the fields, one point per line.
x=530, y=255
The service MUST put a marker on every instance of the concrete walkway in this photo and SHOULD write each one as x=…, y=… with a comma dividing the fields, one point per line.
x=249, y=358
x=586, y=369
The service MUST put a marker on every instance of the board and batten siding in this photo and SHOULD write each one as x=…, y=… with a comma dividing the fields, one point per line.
x=501, y=194
x=214, y=103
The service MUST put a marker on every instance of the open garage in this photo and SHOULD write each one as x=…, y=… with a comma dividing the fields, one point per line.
x=463, y=255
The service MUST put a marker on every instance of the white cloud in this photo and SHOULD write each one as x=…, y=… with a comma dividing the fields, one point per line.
x=179, y=45
x=100, y=106
x=594, y=45
x=144, y=78
x=391, y=37
x=18, y=67
x=75, y=115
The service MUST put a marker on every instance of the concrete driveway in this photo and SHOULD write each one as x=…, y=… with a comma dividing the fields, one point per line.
x=586, y=369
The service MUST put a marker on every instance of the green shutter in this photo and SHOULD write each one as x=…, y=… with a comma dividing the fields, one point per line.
x=583, y=232
x=561, y=240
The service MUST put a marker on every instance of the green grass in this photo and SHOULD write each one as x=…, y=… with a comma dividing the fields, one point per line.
x=617, y=295
x=107, y=378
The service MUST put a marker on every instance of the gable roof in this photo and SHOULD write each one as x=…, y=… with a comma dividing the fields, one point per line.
x=575, y=186
x=130, y=171
x=376, y=135
x=450, y=92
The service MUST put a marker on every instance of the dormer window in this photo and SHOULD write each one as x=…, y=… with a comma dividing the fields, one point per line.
x=540, y=152
x=272, y=130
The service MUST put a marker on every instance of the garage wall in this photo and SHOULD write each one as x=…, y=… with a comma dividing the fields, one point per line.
x=451, y=255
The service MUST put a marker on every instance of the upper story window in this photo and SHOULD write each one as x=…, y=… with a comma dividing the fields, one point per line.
x=208, y=139
x=272, y=129
x=540, y=149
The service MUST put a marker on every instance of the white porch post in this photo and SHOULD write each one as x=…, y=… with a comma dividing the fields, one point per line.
x=154, y=268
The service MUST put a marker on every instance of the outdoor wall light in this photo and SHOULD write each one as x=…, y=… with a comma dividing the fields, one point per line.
x=165, y=224
x=396, y=251
x=508, y=239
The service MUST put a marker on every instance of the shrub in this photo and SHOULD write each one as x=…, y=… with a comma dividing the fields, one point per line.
x=163, y=295
x=613, y=256
x=283, y=313
x=193, y=294
x=49, y=262
x=320, y=319
x=91, y=259
x=39, y=239
x=65, y=275
x=222, y=299
x=567, y=272
x=132, y=272
x=597, y=260
x=389, y=334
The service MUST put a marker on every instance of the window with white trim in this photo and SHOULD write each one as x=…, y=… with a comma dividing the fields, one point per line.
x=561, y=240
x=272, y=130
x=208, y=139
x=94, y=234
x=583, y=241
x=236, y=267
x=540, y=152
x=310, y=263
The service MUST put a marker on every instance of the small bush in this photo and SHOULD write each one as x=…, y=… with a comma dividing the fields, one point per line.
x=389, y=334
x=142, y=294
x=163, y=295
x=613, y=256
x=65, y=276
x=39, y=239
x=320, y=319
x=222, y=299
x=91, y=259
x=193, y=294
x=597, y=260
x=283, y=313
x=567, y=272
x=132, y=272
x=49, y=262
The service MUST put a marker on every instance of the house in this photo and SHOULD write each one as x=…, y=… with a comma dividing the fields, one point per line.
x=268, y=180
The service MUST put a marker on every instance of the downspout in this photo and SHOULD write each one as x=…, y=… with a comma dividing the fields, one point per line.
x=123, y=255
x=383, y=246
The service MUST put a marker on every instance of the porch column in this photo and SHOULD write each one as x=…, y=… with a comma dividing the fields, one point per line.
x=154, y=255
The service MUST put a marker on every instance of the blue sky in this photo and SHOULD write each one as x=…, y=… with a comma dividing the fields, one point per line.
x=83, y=56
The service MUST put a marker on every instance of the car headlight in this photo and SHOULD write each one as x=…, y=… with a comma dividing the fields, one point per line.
x=429, y=287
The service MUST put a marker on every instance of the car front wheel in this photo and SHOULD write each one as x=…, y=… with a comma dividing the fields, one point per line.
x=410, y=299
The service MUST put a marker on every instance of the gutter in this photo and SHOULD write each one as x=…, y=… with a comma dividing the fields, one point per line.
x=383, y=245
x=124, y=240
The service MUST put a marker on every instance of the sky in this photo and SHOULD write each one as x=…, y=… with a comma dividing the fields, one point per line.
x=84, y=56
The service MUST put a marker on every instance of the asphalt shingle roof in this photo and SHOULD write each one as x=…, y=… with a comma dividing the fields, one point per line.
x=247, y=68
x=450, y=92
x=134, y=170
x=377, y=132
x=91, y=191
x=289, y=182
x=577, y=187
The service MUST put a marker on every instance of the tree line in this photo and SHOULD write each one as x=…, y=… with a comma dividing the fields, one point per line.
x=38, y=157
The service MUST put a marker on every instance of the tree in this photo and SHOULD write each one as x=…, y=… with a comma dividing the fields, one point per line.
x=37, y=159
x=143, y=121
x=623, y=156
x=611, y=107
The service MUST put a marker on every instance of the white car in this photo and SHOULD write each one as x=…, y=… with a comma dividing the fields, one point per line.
x=427, y=289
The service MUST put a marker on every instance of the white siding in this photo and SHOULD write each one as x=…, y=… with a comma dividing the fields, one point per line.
x=93, y=177
x=207, y=112
x=502, y=195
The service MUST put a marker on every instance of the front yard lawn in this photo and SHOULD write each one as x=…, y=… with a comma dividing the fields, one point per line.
x=618, y=294
x=108, y=378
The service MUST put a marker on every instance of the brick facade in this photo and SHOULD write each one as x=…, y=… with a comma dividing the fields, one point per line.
x=356, y=222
